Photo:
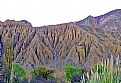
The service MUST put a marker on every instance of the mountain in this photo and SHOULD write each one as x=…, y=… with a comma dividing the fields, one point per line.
x=109, y=21
x=82, y=43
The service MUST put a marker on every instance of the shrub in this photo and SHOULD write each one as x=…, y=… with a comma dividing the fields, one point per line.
x=70, y=71
x=42, y=73
x=18, y=74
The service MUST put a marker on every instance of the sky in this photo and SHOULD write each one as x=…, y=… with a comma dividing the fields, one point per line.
x=50, y=12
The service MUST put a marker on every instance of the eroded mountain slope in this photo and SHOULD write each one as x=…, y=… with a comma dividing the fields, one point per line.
x=55, y=45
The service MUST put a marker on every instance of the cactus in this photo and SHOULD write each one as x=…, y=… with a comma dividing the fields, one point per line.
x=9, y=53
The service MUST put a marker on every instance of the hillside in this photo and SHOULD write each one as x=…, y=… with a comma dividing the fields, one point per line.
x=82, y=43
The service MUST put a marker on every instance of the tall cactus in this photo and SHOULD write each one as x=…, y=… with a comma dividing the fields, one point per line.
x=9, y=53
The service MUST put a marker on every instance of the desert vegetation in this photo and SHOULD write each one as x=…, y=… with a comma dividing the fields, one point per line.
x=108, y=71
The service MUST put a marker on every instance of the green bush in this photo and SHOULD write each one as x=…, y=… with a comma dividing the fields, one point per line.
x=17, y=69
x=70, y=71
x=42, y=72
x=18, y=73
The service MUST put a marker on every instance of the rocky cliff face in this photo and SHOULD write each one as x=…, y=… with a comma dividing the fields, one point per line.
x=82, y=43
